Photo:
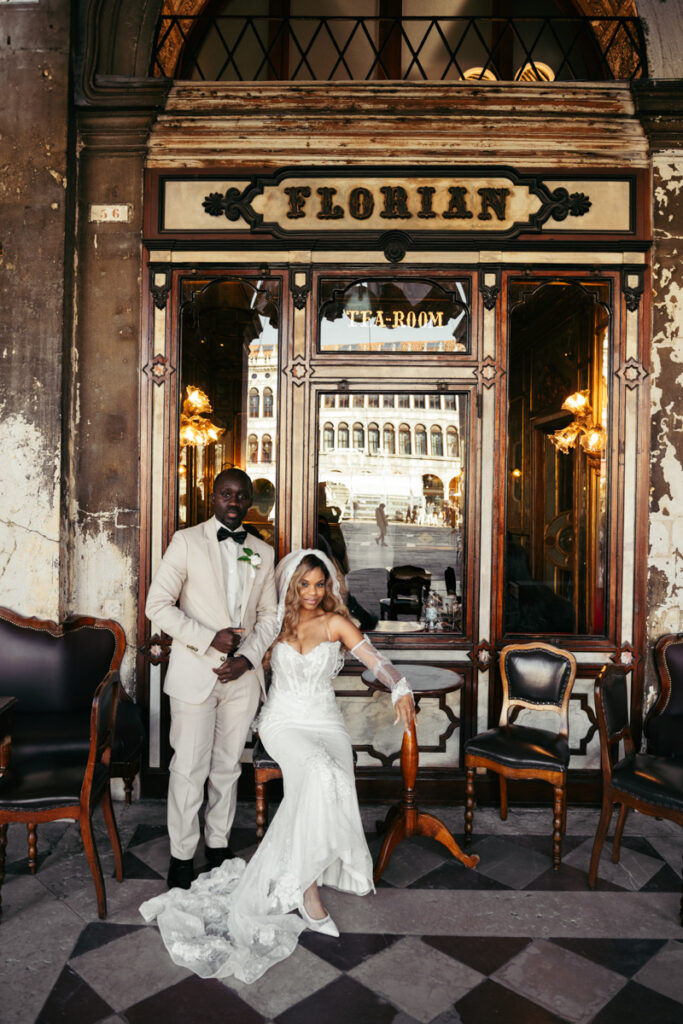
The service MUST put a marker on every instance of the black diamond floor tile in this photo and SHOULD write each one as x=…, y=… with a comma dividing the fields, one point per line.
x=636, y=1004
x=344, y=1001
x=569, y=879
x=349, y=950
x=666, y=880
x=145, y=833
x=133, y=867
x=454, y=875
x=481, y=953
x=194, y=999
x=98, y=934
x=72, y=1000
x=625, y=956
x=490, y=1003
x=639, y=844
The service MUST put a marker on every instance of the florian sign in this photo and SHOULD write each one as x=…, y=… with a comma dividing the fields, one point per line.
x=434, y=207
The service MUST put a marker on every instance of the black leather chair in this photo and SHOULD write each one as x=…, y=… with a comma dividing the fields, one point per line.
x=645, y=782
x=50, y=786
x=539, y=677
x=53, y=670
x=664, y=721
x=407, y=587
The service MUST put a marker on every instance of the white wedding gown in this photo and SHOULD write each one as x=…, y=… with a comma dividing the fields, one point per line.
x=237, y=920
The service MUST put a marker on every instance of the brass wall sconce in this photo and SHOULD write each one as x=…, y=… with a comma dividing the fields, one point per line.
x=195, y=426
x=583, y=428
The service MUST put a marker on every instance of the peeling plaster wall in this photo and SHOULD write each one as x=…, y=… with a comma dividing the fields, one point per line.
x=34, y=76
x=665, y=570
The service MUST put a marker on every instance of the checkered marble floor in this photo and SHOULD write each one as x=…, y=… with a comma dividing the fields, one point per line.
x=512, y=941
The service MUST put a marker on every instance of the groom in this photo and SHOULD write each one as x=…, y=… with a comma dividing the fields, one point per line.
x=222, y=624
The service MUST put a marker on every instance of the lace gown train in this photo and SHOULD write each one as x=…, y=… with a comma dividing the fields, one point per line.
x=237, y=920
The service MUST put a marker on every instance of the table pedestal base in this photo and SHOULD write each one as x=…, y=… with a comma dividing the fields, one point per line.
x=406, y=820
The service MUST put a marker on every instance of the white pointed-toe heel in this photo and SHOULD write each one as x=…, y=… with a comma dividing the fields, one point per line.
x=324, y=925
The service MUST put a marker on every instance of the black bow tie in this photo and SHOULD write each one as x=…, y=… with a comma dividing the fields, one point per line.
x=239, y=536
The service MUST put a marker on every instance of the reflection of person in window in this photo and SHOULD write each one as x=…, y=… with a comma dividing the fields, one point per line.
x=382, y=523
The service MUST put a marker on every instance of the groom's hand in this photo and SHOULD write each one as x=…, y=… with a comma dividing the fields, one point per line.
x=226, y=641
x=232, y=668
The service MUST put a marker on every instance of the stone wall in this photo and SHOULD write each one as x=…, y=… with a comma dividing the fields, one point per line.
x=34, y=214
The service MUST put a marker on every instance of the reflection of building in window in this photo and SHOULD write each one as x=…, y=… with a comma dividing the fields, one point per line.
x=404, y=462
x=437, y=441
x=263, y=369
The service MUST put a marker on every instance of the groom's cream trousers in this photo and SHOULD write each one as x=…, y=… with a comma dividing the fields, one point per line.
x=208, y=740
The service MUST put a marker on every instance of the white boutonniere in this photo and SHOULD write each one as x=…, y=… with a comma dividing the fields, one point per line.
x=250, y=556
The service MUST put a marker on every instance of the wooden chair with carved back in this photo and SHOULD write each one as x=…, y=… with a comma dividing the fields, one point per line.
x=535, y=677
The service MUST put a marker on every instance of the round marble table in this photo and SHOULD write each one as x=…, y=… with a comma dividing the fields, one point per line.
x=405, y=819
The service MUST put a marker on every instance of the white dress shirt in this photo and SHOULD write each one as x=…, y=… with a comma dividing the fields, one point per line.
x=233, y=576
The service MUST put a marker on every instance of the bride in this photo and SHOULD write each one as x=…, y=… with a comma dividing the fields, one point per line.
x=237, y=920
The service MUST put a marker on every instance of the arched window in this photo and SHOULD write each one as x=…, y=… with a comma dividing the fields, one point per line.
x=253, y=403
x=373, y=438
x=252, y=445
x=420, y=440
x=437, y=441
x=267, y=402
x=452, y=445
x=358, y=437
x=389, y=439
x=343, y=435
x=404, y=445
x=328, y=437
x=266, y=448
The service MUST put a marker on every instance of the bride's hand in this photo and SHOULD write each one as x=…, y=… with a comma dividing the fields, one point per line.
x=405, y=711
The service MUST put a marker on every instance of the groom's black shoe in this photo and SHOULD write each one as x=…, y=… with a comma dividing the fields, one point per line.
x=180, y=874
x=215, y=855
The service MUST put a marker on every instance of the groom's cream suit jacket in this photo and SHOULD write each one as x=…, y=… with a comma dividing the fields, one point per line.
x=191, y=574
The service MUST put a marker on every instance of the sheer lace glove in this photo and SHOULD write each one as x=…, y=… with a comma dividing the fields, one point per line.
x=389, y=675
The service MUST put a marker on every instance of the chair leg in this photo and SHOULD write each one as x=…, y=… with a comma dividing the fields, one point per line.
x=3, y=846
x=503, y=784
x=94, y=863
x=469, y=802
x=128, y=788
x=108, y=812
x=261, y=809
x=603, y=825
x=618, y=833
x=559, y=811
x=32, y=848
